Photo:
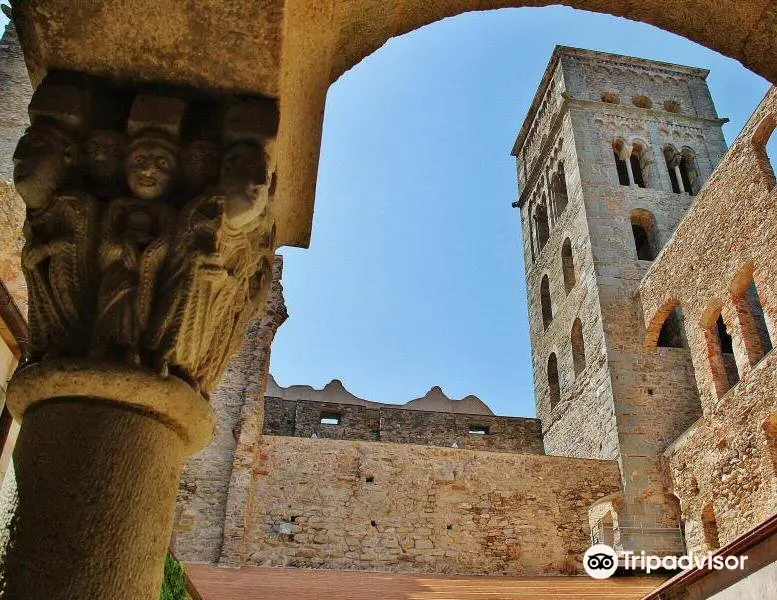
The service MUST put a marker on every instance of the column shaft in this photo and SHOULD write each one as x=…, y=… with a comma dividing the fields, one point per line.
x=96, y=486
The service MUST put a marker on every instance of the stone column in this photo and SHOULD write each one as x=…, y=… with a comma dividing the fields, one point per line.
x=149, y=243
x=679, y=175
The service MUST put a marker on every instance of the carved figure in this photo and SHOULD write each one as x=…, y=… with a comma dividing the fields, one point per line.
x=103, y=160
x=217, y=278
x=57, y=258
x=135, y=240
x=199, y=165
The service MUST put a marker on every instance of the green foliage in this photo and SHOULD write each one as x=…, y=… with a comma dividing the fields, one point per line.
x=174, y=583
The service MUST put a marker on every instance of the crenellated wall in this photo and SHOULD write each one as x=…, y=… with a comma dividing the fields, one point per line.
x=301, y=418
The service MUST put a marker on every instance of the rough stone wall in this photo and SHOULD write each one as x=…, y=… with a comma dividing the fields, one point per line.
x=582, y=423
x=15, y=94
x=358, y=505
x=209, y=521
x=726, y=461
x=400, y=425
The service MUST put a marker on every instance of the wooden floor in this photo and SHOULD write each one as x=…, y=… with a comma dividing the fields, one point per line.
x=257, y=583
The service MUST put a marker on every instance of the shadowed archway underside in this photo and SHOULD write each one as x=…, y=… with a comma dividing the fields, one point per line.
x=294, y=49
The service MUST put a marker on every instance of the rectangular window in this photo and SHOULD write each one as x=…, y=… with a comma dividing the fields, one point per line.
x=330, y=418
x=478, y=430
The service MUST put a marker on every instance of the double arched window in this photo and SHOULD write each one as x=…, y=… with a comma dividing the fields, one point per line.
x=632, y=163
x=683, y=170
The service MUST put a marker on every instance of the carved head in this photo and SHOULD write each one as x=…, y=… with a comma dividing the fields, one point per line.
x=244, y=172
x=42, y=159
x=151, y=165
x=199, y=164
x=103, y=155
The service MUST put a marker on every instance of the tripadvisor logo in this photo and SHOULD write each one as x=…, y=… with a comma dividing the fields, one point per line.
x=600, y=561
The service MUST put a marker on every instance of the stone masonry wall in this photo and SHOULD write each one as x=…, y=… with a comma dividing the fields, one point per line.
x=582, y=423
x=15, y=94
x=373, y=506
x=400, y=425
x=723, y=468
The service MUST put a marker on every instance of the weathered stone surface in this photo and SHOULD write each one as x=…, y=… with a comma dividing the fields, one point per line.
x=15, y=94
x=614, y=399
x=723, y=468
x=210, y=511
x=403, y=507
x=399, y=425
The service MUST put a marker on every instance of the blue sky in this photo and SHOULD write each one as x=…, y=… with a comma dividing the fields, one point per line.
x=414, y=276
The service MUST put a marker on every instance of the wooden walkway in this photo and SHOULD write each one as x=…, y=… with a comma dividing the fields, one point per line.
x=258, y=583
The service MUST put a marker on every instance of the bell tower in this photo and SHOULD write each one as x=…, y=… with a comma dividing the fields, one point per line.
x=610, y=157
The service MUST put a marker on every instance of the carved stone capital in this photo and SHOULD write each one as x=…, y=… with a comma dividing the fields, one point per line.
x=150, y=229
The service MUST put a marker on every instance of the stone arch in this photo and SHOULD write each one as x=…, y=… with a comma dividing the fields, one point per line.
x=689, y=171
x=645, y=232
x=763, y=132
x=752, y=318
x=545, y=302
x=346, y=32
x=641, y=163
x=722, y=364
x=730, y=27
x=620, y=156
x=672, y=334
x=654, y=328
x=568, y=265
x=560, y=194
x=541, y=226
x=554, y=388
x=578, y=347
x=709, y=525
x=672, y=159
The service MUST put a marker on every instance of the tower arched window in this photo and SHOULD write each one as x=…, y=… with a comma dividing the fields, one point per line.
x=568, y=265
x=689, y=173
x=554, y=388
x=638, y=164
x=672, y=158
x=620, y=163
x=545, y=304
x=578, y=347
x=560, y=190
x=541, y=226
x=645, y=232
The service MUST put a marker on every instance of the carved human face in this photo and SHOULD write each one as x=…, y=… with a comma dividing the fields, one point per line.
x=244, y=172
x=199, y=164
x=151, y=168
x=103, y=155
x=41, y=161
